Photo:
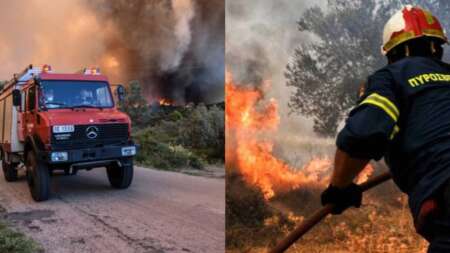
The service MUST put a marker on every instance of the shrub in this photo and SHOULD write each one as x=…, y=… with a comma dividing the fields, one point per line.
x=162, y=155
x=204, y=132
x=250, y=220
x=175, y=116
x=188, y=136
x=245, y=204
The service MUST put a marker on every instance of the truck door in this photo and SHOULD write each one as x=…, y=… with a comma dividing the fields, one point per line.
x=30, y=114
x=21, y=118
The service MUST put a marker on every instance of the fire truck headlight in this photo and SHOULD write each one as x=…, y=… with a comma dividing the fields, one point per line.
x=59, y=156
x=63, y=129
x=129, y=151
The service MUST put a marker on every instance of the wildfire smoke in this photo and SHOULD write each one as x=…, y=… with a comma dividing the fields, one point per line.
x=174, y=48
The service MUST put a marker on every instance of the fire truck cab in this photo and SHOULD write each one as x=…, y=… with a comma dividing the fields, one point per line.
x=67, y=122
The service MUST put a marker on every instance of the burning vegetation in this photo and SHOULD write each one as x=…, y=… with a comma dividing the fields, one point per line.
x=251, y=121
x=263, y=204
x=266, y=196
x=165, y=102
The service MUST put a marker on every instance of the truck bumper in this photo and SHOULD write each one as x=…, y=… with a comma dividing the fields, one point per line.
x=93, y=157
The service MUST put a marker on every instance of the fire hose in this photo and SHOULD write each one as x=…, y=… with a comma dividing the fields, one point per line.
x=314, y=219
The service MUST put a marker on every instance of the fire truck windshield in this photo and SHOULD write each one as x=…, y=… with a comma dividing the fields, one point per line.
x=73, y=94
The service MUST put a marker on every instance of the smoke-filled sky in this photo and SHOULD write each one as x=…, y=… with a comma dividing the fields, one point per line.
x=261, y=36
x=175, y=48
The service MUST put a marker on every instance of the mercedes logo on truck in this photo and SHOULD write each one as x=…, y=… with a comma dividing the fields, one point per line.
x=92, y=132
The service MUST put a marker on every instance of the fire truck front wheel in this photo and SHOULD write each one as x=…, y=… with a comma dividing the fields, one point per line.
x=38, y=178
x=9, y=171
x=120, y=176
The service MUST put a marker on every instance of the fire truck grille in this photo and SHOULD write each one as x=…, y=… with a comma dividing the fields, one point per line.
x=88, y=136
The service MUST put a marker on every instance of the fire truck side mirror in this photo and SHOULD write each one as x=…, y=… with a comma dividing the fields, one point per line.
x=120, y=92
x=16, y=97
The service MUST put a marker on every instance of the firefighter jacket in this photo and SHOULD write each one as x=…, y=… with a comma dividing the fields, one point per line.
x=404, y=116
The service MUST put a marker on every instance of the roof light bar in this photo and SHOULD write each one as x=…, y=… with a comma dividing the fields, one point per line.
x=92, y=71
x=46, y=68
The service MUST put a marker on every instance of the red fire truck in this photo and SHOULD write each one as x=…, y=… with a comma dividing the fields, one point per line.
x=67, y=122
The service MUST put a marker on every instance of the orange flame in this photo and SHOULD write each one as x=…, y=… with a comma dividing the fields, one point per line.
x=164, y=102
x=250, y=118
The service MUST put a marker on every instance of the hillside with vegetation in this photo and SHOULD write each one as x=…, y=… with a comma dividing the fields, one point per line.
x=175, y=137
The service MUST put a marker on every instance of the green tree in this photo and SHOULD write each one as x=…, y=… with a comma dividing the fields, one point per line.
x=327, y=72
x=204, y=131
x=135, y=104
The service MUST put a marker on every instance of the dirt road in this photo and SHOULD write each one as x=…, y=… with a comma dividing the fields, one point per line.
x=160, y=212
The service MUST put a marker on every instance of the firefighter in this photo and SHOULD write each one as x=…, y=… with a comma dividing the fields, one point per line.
x=49, y=99
x=85, y=97
x=403, y=115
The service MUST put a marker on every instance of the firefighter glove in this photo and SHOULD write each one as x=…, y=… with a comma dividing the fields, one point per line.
x=342, y=198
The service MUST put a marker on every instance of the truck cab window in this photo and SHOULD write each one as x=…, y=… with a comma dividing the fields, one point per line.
x=31, y=99
x=73, y=94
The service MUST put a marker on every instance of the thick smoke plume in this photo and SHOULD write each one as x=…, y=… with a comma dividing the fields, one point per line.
x=175, y=48
x=183, y=11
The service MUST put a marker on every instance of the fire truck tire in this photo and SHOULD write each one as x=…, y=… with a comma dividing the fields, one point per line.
x=120, y=177
x=9, y=171
x=38, y=178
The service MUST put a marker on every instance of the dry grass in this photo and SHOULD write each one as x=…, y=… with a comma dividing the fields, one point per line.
x=383, y=224
x=374, y=228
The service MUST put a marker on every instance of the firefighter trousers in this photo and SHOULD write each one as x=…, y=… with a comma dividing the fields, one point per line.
x=439, y=227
